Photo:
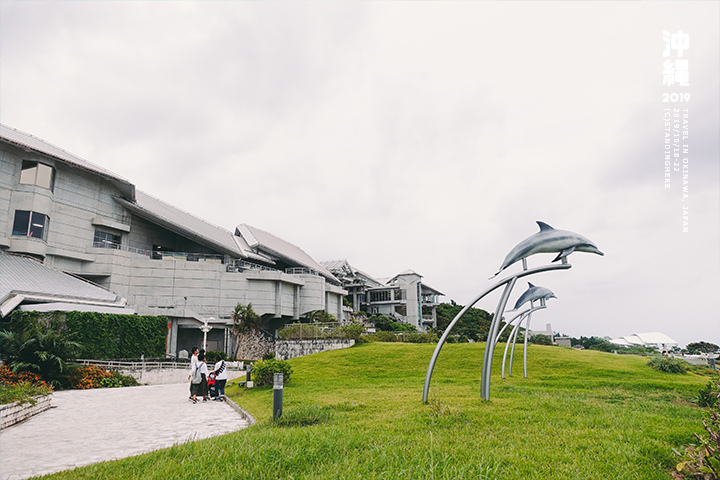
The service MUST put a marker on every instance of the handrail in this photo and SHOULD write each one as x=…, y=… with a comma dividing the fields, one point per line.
x=134, y=365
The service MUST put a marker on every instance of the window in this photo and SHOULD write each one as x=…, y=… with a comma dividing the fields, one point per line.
x=30, y=224
x=106, y=239
x=380, y=296
x=34, y=173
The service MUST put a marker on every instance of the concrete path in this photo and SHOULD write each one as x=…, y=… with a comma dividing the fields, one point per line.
x=89, y=426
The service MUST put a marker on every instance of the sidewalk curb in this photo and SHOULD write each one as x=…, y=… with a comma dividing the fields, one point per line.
x=243, y=413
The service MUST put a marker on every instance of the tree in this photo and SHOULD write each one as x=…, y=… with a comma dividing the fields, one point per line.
x=701, y=347
x=244, y=319
x=540, y=339
x=387, y=324
x=38, y=350
x=474, y=324
x=320, y=316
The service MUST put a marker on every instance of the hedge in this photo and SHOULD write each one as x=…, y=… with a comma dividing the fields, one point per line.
x=103, y=335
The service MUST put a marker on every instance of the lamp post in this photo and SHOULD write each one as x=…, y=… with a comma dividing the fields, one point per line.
x=205, y=328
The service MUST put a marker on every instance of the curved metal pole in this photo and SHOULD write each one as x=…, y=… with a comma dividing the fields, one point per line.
x=512, y=351
x=513, y=336
x=438, y=347
x=491, y=340
x=527, y=334
x=507, y=324
x=507, y=344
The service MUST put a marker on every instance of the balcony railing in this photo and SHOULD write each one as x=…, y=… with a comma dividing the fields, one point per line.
x=301, y=271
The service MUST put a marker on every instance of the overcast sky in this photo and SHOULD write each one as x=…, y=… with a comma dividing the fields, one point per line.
x=398, y=135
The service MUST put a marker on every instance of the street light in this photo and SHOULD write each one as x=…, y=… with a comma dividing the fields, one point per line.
x=205, y=328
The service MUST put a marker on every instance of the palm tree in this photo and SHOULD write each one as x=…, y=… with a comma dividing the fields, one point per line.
x=40, y=351
x=244, y=319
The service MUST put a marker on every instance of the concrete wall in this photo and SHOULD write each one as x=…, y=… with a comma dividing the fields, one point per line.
x=13, y=413
x=167, y=376
x=287, y=349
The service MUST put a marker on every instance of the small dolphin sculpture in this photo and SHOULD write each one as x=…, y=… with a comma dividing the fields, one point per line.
x=549, y=240
x=533, y=293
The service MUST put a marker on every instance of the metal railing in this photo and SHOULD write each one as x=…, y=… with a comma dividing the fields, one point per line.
x=242, y=265
x=301, y=271
x=141, y=365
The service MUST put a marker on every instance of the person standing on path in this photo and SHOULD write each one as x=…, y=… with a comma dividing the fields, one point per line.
x=202, y=367
x=220, y=371
x=193, y=367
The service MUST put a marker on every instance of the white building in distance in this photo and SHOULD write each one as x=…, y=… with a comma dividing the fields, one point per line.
x=656, y=340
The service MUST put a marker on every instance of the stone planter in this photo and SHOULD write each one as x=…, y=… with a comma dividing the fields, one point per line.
x=13, y=413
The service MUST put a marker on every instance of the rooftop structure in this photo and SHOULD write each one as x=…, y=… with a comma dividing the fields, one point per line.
x=404, y=297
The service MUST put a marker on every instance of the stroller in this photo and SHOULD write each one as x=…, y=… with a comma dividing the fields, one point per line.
x=212, y=388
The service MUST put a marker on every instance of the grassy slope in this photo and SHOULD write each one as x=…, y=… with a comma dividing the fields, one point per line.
x=579, y=415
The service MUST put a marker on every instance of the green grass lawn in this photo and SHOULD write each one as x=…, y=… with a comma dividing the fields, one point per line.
x=358, y=414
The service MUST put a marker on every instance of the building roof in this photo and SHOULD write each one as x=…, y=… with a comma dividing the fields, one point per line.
x=644, y=339
x=182, y=223
x=344, y=271
x=263, y=241
x=27, y=141
x=25, y=279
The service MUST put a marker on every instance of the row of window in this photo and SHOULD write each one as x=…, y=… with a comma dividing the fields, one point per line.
x=33, y=224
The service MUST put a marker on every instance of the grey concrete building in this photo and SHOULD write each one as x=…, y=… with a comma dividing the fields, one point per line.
x=404, y=297
x=157, y=259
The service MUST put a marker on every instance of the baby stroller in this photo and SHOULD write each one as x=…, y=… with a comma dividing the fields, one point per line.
x=212, y=388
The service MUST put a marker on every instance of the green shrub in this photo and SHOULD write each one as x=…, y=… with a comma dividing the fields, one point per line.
x=300, y=331
x=264, y=370
x=421, y=338
x=703, y=460
x=669, y=364
x=22, y=392
x=211, y=354
x=382, y=336
x=351, y=330
x=110, y=382
x=708, y=395
x=540, y=340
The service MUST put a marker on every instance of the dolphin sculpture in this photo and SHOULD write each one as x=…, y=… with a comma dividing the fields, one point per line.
x=549, y=240
x=533, y=293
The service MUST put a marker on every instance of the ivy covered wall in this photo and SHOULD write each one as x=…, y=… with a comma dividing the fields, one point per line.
x=102, y=335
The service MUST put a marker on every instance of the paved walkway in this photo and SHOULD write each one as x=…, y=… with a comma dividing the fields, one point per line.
x=89, y=426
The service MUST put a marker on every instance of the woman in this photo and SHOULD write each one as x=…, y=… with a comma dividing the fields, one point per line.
x=193, y=367
x=220, y=371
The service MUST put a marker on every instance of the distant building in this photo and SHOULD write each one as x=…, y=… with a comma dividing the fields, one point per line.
x=142, y=254
x=547, y=332
x=404, y=297
x=656, y=340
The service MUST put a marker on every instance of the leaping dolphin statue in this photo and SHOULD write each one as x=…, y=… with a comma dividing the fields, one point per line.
x=533, y=293
x=549, y=240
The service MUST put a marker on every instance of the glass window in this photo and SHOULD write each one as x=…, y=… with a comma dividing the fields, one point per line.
x=380, y=296
x=22, y=220
x=106, y=239
x=31, y=224
x=34, y=173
